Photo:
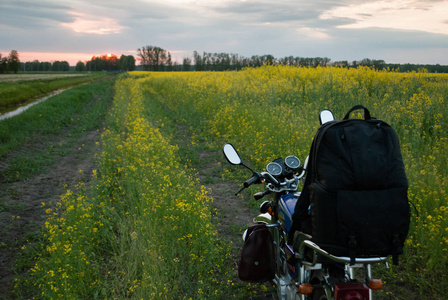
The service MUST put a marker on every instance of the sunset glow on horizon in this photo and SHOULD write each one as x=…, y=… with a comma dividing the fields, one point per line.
x=71, y=58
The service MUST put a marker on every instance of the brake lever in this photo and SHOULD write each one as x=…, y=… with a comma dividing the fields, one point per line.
x=241, y=189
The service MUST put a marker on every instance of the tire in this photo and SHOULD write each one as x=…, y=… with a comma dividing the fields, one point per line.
x=319, y=294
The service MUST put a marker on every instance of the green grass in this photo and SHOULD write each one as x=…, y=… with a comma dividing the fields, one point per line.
x=35, y=131
x=24, y=91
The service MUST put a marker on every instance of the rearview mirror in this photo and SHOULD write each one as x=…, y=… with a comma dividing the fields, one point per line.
x=231, y=154
x=326, y=116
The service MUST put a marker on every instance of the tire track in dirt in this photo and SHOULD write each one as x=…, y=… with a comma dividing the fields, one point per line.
x=22, y=213
x=233, y=213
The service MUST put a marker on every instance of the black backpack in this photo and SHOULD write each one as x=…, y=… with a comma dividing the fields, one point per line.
x=357, y=189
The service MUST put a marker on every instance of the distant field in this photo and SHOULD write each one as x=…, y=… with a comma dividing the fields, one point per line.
x=17, y=77
x=20, y=89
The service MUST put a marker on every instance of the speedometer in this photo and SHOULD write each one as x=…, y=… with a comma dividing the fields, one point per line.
x=274, y=169
x=292, y=162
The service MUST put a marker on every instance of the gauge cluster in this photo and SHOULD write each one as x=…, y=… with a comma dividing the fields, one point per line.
x=290, y=165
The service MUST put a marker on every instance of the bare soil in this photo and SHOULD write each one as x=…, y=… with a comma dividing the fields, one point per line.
x=233, y=215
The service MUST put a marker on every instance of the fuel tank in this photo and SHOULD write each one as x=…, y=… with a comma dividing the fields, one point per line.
x=286, y=206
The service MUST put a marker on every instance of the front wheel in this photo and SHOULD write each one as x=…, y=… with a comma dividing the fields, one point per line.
x=319, y=294
x=321, y=291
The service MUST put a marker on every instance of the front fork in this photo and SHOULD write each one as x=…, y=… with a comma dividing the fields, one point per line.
x=285, y=285
x=282, y=280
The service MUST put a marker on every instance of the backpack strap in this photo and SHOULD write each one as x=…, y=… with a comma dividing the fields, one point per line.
x=352, y=249
x=396, y=249
x=366, y=112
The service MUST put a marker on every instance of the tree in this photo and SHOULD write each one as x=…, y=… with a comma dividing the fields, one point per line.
x=80, y=66
x=287, y=60
x=154, y=58
x=36, y=66
x=186, y=64
x=111, y=62
x=3, y=64
x=60, y=66
x=257, y=60
x=268, y=59
x=169, y=63
x=378, y=64
x=367, y=62
x=235, y=61
x=198, y=64
x=127, y=63
x=342, y=63
x=14, y=61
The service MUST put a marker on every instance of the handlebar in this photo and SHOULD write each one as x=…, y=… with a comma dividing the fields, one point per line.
x=340, y=259
x=256, y=178
x=273, y=185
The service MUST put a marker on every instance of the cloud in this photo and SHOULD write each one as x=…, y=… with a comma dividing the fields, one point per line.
x=313, y=33
x=93, y=25
x=31, y=14
x=400, y=14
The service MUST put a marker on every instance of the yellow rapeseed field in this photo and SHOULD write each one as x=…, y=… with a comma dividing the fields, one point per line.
x=143, y=229
x=272, y=111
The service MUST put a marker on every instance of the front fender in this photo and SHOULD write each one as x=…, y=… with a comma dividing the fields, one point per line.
x=263, y=219
x=260, y=219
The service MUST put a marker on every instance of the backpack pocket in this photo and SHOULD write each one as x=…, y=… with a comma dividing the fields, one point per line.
x=374, y=222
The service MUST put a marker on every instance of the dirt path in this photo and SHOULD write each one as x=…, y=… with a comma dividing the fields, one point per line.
x=22, y=213
x=233, y=215
x=233, y=212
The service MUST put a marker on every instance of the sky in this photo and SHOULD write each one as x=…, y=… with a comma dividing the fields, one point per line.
x=397, y=31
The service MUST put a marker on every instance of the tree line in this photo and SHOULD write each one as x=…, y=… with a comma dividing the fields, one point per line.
x=41, y=66
x=153, y=58
x=108, y=62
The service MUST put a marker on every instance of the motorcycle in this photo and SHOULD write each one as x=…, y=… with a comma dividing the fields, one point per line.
x=308, y=272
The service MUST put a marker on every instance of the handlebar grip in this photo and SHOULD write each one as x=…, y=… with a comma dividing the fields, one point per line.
x=251, y=181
